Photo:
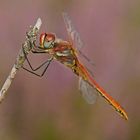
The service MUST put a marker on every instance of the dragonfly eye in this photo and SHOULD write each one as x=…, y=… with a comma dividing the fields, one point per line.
x=42, y=39
x=48, y=44
x=50, y=37
x=49, y=41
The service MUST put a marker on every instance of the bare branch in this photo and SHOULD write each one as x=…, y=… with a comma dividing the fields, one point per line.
x=27, y=46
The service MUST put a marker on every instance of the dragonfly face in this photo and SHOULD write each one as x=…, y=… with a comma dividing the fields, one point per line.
x=47, y=41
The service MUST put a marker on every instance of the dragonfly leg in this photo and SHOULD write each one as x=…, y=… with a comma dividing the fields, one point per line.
x=34, y=51
x=40, y=75
x=37, y=50
x=48, y=61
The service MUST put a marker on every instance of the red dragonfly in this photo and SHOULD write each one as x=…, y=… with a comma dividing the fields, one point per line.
x=66, y=52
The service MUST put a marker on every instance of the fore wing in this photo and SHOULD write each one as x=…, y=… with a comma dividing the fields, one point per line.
x=88, y=92
x=74, y=37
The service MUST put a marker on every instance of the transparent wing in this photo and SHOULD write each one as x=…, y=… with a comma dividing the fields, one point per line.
x=88, y=92
x=74, y=37
x=73, y=34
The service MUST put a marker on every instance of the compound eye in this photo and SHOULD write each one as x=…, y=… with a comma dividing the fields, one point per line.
x=50, y=37
x=42, y=38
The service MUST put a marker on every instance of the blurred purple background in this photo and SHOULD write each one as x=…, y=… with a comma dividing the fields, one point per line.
x=51, y=107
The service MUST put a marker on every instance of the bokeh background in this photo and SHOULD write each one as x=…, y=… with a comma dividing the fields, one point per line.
x=51, y=108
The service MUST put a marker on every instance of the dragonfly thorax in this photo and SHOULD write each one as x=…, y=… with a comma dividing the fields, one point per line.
x=47, y=40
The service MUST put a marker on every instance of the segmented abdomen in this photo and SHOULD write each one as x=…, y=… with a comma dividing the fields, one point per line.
x=82, y=72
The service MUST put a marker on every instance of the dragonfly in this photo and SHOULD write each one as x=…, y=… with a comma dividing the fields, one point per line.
x=67, y=53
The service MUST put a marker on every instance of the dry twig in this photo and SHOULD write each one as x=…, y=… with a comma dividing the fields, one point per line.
x=27, y=46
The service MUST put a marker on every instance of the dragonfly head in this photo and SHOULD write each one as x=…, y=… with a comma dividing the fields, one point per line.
x=47, y=41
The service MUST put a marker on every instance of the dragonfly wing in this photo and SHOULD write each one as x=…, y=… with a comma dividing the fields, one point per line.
x=74, y=37
x=73, y=34
x=88, y=92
